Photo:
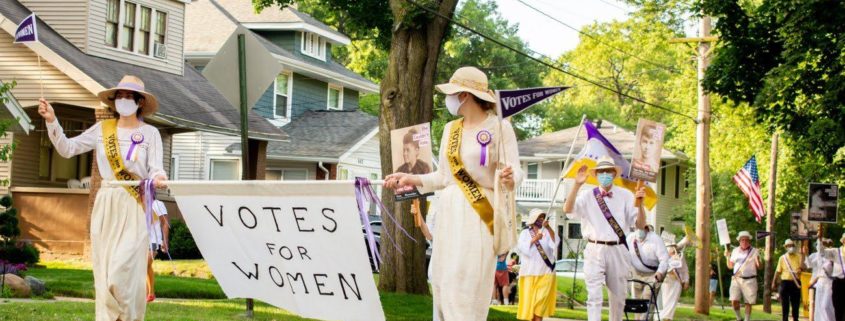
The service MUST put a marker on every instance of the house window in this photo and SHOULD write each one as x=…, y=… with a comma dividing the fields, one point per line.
x=112, y=19
x=159, y=49
x=127, y=33
x=138, y=29
x=677, y=181
x=174, y=167
x=574, y=231
x=335, y=100
x=273, y=175
x=297, y=174
x=144, y=31
x=662, y=179
x=55, y=168
x=282, y=92
x=344, y=174
x=224, y=169
x=313, y=46
x=533, y=170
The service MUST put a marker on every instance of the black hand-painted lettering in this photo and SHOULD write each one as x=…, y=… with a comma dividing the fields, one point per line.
x=320, y=284
x=356, y=291
x=281, y=281
x=218, y=219
x=295, y=277
x=303, y=253
x=334, y=223
x=273, y=212
x=241, y=215
x=300, y=218
x=249, y=275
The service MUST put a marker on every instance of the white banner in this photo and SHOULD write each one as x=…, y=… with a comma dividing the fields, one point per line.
x=297, y=246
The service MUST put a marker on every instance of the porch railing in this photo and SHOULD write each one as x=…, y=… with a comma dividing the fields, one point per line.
x=537, y=190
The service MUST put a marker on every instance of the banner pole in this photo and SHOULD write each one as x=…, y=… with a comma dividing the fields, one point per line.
x=564, y=239
x=40, y=76
x=218, y=183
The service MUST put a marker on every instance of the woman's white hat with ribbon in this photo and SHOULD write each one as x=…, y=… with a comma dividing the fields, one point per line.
x=471, y=80
x=743, y=234
x=534, y=214
x=135, y=84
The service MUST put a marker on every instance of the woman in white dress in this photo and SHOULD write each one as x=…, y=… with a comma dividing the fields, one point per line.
x=132, y=150
x=463, y=259
x=822, y=282
x=676, y=281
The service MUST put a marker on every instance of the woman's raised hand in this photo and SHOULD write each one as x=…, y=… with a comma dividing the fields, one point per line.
x=46, y=110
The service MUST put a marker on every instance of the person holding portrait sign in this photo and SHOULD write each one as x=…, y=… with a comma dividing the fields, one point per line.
x=745, y=261
x=463, y=256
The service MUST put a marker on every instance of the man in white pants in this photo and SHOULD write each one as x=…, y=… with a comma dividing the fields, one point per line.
x=745, y=261
x=649, y=259
x=606, y=212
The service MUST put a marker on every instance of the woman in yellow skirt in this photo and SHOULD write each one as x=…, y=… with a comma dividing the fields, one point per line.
x=537, y=282
x=126, y=149
x=463, y=261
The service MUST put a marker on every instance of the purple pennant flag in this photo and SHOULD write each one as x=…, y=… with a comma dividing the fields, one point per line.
x=514, y=101
x=27, y=30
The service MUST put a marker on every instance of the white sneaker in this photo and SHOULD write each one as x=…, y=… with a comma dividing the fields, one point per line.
x=494, y=302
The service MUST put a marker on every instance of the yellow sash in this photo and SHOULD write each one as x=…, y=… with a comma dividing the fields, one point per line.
x=112, y=149
x=471, y=190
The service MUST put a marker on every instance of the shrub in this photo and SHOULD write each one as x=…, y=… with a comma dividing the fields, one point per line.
x=12, y=250
x=182, y=245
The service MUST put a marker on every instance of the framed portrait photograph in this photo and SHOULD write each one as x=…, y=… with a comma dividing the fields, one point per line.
x=411, y=153
x=648, y=147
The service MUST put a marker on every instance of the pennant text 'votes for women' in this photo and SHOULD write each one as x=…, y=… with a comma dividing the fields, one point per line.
x=514, y=101
x=27, y=30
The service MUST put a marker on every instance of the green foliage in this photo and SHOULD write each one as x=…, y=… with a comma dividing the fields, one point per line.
x=786, y=59
x=182, y=244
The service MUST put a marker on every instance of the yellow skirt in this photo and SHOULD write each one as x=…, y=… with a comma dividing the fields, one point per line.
x=537, y=296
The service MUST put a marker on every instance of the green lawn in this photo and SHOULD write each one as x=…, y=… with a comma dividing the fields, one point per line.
x=200, y=298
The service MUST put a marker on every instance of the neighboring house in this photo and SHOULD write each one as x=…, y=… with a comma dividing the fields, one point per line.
x=86, y=47
x=543, y=156
x=314, y=98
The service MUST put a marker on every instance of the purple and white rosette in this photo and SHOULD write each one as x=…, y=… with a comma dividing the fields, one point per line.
x=484, y=137
x=137, y=138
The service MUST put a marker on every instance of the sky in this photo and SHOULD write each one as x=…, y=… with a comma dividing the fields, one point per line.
x=549, y=37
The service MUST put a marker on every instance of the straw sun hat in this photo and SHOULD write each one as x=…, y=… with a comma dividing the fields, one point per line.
x=534, y=214
x=135, y=84
x=606, y=162
x=743, y=234
x=471, y=80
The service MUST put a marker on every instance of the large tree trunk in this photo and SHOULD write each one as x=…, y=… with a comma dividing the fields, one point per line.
x=406, y=99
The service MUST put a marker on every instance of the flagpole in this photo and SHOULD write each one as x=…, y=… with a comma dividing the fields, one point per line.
x=564, y=239
x=40, y=76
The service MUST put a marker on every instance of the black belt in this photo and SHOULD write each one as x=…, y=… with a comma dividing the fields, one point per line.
x=611, y=243
x=747, y=277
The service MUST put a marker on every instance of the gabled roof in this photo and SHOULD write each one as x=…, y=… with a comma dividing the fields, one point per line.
x=321, y=135
x=15, y=111
x=278, y=18
x=207, y=26
x=555, y=145
x=185, y=101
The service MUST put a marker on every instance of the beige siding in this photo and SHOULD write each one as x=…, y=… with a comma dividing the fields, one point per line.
x=6, y=167
x=20, y=64
x=194, y=150
x=549, y=170
x=670, y=206
x=175, y=31
x=68, y=17
x=363, y=161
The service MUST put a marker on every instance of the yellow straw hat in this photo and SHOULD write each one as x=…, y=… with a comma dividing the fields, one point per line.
x=468, y=79
x=135, y=84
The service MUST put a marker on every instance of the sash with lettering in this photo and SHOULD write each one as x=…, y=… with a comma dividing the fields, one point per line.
x=791, y=271
x=744, y=261
x=471, y=190
x=637, y=250
x=542, y=252
x=609, y=217
x=112, y=149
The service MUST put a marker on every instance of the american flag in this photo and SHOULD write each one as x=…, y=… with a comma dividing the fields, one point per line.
x=749, y=182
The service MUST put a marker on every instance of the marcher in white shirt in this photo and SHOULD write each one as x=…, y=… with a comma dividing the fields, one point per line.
x=837, y=255
x=649, y=259
x=606, y=259
x=537, y=281
x=676, y=281
x=745, y=261
x=822, y=282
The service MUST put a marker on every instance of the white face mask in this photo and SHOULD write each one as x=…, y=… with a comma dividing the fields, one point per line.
x=790, y=250
x=126, y=107
x=453, y=104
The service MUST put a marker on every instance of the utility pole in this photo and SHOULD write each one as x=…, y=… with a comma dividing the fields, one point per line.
x=702, y=169
x=770, y=226
x=245, y=173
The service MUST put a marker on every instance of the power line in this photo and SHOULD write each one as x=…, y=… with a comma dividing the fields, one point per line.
x=614, y=5
x=547, y=64
x=596, y=39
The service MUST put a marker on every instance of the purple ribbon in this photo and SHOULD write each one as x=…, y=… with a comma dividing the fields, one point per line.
x=148, y=195
x=484, y=137
x=364, y=191
x=137, y=138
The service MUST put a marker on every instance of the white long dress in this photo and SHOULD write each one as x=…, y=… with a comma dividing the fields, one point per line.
x=823, y=307
x=670, y=291
x=463, y=263
x=119, y=237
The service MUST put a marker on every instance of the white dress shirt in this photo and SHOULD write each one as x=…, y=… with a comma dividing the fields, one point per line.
x=739, y=256
x=530, y=260
x=652, y=252
x=837, y=255
x=593, y=224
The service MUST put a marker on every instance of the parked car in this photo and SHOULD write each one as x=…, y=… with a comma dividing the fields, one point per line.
x=566, y=268
x=375, y=225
